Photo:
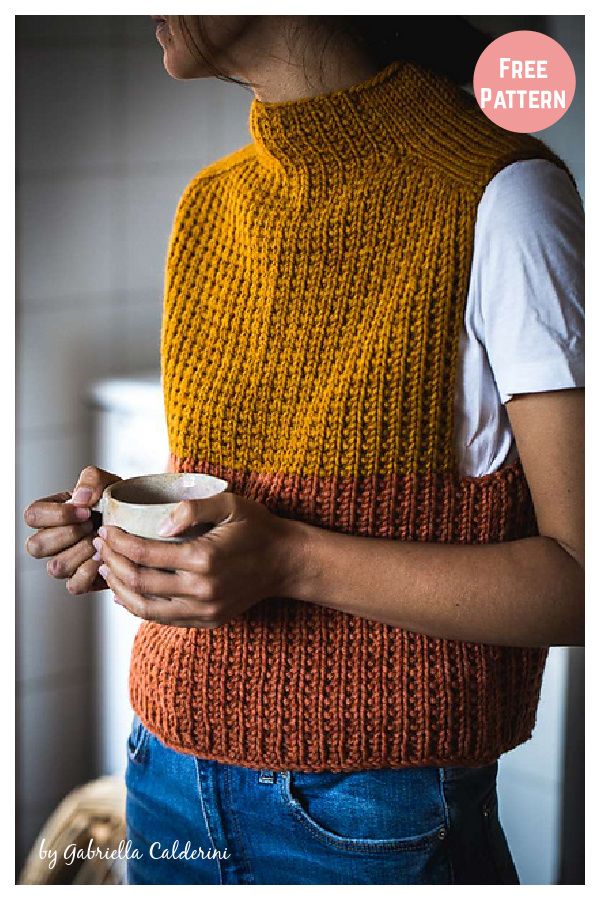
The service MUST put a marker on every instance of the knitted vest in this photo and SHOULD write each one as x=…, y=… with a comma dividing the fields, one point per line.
x=314, y=296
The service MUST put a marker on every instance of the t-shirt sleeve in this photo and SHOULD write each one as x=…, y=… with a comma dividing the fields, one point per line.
x=528, y=271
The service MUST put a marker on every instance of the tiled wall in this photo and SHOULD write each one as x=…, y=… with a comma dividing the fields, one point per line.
x=106, y=143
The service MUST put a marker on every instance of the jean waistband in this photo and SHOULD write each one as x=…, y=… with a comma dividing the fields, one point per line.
x=448, y=774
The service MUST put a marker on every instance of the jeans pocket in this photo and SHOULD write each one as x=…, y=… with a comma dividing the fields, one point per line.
x=137, y=741
x=496, y=842
x=375, y=811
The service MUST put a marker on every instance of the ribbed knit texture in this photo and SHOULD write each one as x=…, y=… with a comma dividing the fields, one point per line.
x=314, y=296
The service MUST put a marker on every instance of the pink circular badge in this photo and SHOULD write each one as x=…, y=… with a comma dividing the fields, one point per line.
x=524, y=81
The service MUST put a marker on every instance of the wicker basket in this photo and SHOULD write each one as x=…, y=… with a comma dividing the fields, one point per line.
x=94, y=812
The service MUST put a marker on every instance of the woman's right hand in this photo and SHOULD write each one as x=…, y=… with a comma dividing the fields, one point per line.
x=65, y=531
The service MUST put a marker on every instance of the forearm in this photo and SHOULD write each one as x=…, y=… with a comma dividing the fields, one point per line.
x=528, y=592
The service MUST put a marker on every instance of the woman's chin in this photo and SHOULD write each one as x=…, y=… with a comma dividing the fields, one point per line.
x=182, y=69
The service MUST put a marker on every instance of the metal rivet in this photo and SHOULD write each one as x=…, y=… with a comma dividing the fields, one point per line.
x=442, y=834
x=486, y=812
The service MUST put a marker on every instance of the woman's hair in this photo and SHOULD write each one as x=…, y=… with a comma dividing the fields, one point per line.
x=446, y=45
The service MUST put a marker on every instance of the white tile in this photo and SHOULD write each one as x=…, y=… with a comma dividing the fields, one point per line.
x=54, y=628
x=63, y=97
x=147, y=206
x=65, y=237
x=139, y=339
x=55, y=742
x=168, y=120
x=59, y=353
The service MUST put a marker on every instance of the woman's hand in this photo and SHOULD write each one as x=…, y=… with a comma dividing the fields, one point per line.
x=248, y=555
x=65, y=531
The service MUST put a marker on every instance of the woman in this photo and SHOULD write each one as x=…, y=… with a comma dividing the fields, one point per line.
x=373, y=330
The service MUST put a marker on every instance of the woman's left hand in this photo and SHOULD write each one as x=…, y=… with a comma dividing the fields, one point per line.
x=245, y=557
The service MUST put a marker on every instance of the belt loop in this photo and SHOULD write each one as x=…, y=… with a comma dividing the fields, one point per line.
x=443, y=781
x=267, y=776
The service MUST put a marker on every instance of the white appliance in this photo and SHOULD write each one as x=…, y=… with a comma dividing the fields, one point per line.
x=530, y=782
x=131, y=440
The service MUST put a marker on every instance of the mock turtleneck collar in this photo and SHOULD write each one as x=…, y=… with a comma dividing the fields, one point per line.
x=367, y=121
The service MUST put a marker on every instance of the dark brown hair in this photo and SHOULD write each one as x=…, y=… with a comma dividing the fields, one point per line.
x=447, y=45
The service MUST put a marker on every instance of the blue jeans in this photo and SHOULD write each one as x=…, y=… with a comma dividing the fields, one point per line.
x=197, y=821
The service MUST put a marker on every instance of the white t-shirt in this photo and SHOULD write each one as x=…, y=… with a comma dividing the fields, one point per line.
x=524, y=321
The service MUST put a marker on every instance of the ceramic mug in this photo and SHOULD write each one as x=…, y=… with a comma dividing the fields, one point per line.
x=139, y=505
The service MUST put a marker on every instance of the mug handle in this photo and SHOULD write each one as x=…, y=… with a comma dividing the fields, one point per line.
x=98, y=513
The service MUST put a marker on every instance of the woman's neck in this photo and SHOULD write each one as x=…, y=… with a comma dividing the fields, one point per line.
x=279, y=80
x=296, y=61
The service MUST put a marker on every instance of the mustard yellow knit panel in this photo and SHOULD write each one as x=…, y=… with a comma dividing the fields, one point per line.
x=313, y=340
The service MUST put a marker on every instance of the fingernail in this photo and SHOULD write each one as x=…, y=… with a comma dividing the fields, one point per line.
x=166, y=526
x=103, y=570
x=96, y=557
x=32, y=546
x=98, y=543
x=82, y=513
x=102, y=532
x=82, y=495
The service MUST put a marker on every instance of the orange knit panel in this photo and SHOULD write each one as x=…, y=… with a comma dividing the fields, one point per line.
x=299, y=686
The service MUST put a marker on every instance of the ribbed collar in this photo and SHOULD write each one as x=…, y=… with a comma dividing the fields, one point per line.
x=365, y=122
